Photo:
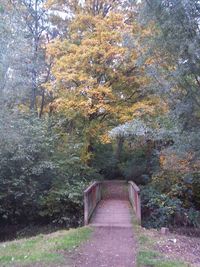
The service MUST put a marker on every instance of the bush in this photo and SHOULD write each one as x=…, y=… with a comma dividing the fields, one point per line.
x=159, y=210
x=41, y=177
x=63, y=203
x=26, y=169
x=196, y=188
x=176, y=185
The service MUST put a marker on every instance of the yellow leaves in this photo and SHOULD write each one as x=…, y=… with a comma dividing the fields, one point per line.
x=143, y=106
x=136, y=28
x=143, y=80
x=151, y=106
x=150, y=61
x=23, y=108
x=49, y=3
x=150, y=31
x=162, y=160
x=174, y=162
x=105, y=139
x=92, y=102
x=57, y=48
x=95, y=69
x=98, y=132
x=147, y=32
x=98, y=50
x=90, y=42
x=115, y=21
x=84, y=22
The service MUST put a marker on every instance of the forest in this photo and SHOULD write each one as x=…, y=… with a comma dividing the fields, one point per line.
x=98, y=90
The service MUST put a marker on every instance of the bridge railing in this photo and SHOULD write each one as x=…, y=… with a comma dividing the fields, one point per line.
x=92, y=196
x=134, y=198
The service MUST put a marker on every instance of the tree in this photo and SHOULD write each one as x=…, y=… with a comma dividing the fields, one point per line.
x=37, y=33
x=175, y=68
x=98, y=78
x=176, y=75
x=14, y=82
x=179, y=35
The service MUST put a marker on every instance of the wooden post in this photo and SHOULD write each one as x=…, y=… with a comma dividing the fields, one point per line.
x=86, y=213
x=139, y=208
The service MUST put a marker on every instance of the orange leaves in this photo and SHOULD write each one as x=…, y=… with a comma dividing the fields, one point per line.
x=88, y=103
x=105, y=139
x=177, y=163
x=151, y=107
x=196, y=165
x=150, y=61
x=96, y=70
x=162, y=160
x=97, y=51
x=57, y=48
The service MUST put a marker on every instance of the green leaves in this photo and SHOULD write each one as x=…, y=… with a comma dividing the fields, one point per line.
x=1, y=9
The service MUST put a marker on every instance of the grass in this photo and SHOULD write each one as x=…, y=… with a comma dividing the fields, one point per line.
x=147, y=255
x=42, y=248
x=153, y=258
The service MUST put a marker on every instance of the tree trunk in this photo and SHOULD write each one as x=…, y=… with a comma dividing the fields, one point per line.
x=119, y=147
x=42, y=104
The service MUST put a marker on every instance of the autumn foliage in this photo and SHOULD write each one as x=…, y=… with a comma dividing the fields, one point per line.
x=97, y=75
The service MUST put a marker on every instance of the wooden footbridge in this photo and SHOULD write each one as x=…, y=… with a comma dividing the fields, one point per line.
x=109, y=203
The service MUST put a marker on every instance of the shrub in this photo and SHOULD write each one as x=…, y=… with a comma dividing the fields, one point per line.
x=63, y=203
x=26, y=168
x=159, y=209
x=41, y=177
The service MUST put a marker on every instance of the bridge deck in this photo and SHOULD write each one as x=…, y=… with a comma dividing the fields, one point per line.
x=112, y=243
x=113, y=213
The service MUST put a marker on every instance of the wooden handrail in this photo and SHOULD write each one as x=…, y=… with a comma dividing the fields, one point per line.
x=92, y=196
x=90, y=187
x=134, y=198
x=136, y=188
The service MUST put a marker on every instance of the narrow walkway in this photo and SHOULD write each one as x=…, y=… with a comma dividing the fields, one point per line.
x=112, y=243
x=108, y=247
x=112, y=212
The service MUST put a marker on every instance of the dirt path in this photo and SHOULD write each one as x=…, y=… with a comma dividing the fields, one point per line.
x=109, y=247
x=112, y=243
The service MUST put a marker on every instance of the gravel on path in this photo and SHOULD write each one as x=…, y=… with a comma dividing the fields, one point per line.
x=108, y=247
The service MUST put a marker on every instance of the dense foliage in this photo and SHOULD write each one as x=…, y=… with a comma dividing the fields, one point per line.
x=39, y=181
x=99, y=90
